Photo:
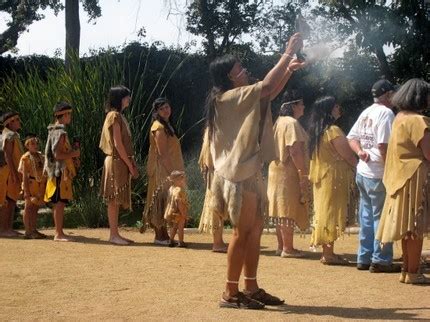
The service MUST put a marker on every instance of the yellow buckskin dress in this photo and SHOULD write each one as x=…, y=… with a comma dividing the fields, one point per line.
x=59, y=172
x=116, y=179
x=331, y=178
x=158, y=184
x=406, y=179
x=32, y=165
x=7, y=188
x=286, y=202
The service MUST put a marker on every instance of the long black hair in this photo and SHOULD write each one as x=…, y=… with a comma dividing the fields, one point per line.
x=116, y=94
x=289, y=99
x=221, y=83
x=159, y=102
x=321, y=118
x=412, y=95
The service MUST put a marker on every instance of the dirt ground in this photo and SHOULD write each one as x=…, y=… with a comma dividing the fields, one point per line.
x=93, y=280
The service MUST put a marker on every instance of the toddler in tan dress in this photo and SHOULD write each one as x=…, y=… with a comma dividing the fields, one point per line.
x=177, y=208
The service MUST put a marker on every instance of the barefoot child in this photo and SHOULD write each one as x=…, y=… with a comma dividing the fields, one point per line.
x=59, y=167
x=33, y=185
x=10, y=179
x=177, y=207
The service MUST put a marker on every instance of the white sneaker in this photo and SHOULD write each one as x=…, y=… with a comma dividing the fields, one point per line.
x=161, y=242
x=278, y=252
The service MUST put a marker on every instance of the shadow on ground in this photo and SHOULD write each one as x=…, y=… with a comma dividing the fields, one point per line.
x=353, y=313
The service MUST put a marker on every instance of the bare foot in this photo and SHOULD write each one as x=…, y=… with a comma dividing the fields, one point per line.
x=63, y=238
x=117, y=240
x=222, y=248
x=127, y=240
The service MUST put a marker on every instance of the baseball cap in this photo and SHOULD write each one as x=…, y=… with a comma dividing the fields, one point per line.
x=381, y=87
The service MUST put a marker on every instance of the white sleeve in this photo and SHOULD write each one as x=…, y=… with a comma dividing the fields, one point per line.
x=383, y=130
x=353, y=133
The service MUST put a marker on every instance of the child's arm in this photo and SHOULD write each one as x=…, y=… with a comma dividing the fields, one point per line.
x=25, y=180
x=59, y=152
x=183, y=208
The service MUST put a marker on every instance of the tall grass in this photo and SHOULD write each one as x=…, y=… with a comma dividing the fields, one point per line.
x=85, y=85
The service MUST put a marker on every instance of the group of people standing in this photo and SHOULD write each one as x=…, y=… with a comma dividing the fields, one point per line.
x=386, y=156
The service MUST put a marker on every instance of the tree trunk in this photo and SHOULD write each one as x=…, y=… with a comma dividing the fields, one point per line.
x=73, y=31
x=206, y=18
x=383, y=63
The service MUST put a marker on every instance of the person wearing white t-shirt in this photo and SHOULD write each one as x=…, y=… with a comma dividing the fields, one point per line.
x=368, y=138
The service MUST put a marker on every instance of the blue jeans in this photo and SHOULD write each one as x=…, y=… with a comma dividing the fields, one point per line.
x=372, y=197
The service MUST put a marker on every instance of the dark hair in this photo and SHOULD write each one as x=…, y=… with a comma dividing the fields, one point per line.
x=218, y=70
x=289, y=99
x=320, y=119
x=7, y=115
x=61, y=106
x=115, y=96
x=159, y=102
x=412, y=95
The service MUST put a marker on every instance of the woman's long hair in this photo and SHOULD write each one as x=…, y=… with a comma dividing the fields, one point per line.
x=218, y=70
x=320, y=119
x=168, y=127
x=115, y=96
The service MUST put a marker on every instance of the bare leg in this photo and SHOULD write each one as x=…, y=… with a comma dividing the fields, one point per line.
x=181, y=226
x=173, y=231
x=414, y=248
x=26, y=218
x=328, y=250
x=218, y=243
x=239, y=243
x=253, y=255
x=287, y=232
x=59, y=222
x=114, y=237
x=405, y=255
x=7, y=214
x=279, y=238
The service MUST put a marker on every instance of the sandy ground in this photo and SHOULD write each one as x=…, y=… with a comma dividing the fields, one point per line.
x=93, y=280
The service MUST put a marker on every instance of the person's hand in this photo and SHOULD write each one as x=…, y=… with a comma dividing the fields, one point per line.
x=296, y=64
x=76, y=153
x=134, y=171
x=363, y=155
x=294, y=44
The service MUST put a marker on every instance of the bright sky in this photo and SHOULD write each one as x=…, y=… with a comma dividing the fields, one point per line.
x=119, y=23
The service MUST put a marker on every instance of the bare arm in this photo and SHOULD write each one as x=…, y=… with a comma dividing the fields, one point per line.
x=8, y=153
x=355, y=145
x=162, y=149
x=59, y=152
x=119, y=146
x=342, y=147
x=26, y=182
x=274, y=78
x=425, y=144
x=294, y=65
x=383, y=150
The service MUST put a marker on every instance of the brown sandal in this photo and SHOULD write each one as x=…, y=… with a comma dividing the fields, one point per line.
x=262, y=296
x=240, y=301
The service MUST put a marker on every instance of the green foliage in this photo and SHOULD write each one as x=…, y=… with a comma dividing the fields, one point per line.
x=221, y=23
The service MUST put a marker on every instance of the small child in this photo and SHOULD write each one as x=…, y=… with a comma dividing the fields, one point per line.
x=177, y=207
x=33, y=185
